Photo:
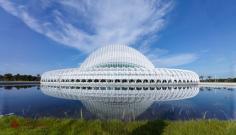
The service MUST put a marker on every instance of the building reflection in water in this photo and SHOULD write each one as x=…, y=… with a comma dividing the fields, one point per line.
x=125, y=102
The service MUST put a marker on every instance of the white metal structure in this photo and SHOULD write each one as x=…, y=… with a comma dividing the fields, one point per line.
x=119, y=64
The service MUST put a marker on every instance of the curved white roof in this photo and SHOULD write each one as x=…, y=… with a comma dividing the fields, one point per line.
x=117, y=55
x=119, y=62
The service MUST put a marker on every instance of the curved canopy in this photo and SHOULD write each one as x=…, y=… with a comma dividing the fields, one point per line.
x=117, y=56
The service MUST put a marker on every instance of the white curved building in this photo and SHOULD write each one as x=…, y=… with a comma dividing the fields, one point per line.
x=119, y=64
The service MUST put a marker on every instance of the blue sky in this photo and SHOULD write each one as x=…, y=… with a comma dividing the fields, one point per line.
x=41, y=35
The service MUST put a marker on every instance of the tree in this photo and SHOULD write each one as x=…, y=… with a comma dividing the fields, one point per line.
x=209, y=78
x=201, y=77
x=18, y=77
x=234, y=80
x=38, y=77
x=8, y=77
x=1, y=78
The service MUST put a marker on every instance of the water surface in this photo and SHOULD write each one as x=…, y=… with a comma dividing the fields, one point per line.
x=113, y=102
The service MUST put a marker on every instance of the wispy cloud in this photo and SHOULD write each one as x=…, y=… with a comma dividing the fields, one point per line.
x=175, y=60
x=88, y=24
x=163, y=58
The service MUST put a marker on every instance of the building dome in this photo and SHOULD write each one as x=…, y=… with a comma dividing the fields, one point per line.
x=117, y=56
x=119, y=64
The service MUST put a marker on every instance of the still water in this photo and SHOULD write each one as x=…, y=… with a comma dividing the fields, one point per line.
x=119, y=102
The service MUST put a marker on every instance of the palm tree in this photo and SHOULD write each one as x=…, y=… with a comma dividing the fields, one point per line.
x=201, y=77
x=209, y=78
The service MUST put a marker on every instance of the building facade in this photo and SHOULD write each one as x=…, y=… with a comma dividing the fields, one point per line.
x=119, y=64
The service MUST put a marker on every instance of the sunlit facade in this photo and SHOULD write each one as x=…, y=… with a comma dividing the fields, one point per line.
x=119, y=64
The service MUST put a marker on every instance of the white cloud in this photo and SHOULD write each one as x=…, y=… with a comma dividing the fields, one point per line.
x=162, y=57
x=88, y=24
x=175, y=60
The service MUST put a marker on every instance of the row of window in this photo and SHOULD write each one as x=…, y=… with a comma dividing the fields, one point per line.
x=118, y=81
x=120, y=88
x=120, y=74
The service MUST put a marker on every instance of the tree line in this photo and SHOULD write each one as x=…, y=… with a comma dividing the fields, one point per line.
x=211, y=79
x=19, y=77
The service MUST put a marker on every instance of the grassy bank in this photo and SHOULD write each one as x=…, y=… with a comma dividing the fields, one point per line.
x=22, y=126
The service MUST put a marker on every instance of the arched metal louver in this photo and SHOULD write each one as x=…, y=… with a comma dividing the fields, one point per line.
x=119, y=64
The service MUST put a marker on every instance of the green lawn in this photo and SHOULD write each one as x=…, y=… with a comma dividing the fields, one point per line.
x=11, y=125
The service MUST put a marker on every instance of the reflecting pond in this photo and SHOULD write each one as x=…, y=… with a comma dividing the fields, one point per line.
x=119, y=102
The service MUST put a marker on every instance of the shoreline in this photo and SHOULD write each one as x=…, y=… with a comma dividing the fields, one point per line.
x=218, y=84
x=18, y=82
